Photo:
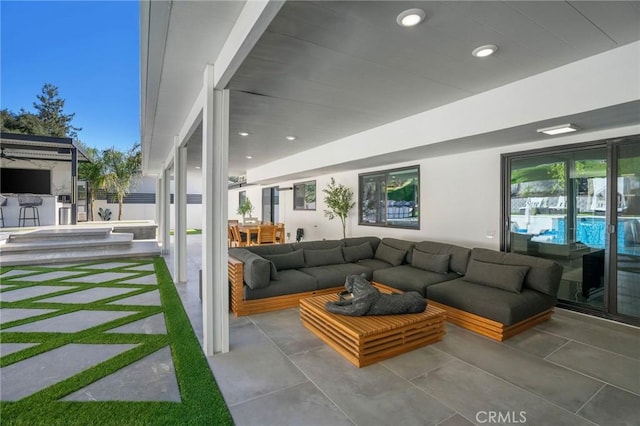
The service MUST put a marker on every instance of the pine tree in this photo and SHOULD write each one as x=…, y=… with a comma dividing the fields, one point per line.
x=52, y=117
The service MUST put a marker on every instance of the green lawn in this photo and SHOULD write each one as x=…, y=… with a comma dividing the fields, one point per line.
x=201, y=400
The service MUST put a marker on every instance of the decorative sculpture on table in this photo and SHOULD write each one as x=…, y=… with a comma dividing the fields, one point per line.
x=367, y=300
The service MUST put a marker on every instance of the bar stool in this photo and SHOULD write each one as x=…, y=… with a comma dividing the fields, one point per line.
x=3, y=203
x=29, y=202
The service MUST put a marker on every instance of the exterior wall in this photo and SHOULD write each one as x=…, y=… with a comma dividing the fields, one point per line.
x=132, y=211
x=459, y=197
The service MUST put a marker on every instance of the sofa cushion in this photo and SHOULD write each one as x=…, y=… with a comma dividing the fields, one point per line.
x=291, y=281
x=256, y=269
x=324, y=257
x=325, y=276
x=459, y=256
x=317, y=245
x=292, y=260
x=544, y=275
x=407, y=246
x=354, y=253
x=408, y=278
x=505, y=277
x=374, y=264
x=438, y=263
x=353, y=269
x=390, y=255
x=499, y=305
x=270, y=249
x=355, y=241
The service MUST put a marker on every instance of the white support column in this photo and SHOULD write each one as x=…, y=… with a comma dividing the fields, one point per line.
x=215, y=147
x=159, y=209
x=180, y=212
x=166, y=203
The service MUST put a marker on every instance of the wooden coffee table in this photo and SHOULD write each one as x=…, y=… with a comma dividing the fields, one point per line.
x=369, y=339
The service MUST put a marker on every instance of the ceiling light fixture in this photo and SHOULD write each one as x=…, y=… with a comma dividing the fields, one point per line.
x=410, y=17
x=558, y=130
x=484, y=51
x=243, y=133
x=248, y=157
x=291, y=138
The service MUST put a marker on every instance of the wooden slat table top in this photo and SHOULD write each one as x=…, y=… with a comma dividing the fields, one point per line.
x=364, y=326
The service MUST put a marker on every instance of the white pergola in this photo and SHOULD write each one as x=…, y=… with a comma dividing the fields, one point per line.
x=210, y=113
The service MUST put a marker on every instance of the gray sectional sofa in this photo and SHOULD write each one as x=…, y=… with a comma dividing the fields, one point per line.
x=493, y=293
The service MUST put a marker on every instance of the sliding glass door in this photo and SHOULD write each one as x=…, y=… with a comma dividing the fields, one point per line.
x=626, y=294
x=577, y=206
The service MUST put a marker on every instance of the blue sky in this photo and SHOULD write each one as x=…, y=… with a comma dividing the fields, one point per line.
x=89, y=49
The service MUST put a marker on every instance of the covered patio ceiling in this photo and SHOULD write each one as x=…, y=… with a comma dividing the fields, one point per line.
x=326, y=70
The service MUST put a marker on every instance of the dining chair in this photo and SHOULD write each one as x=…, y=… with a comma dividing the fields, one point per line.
x=237, y=239
x=267, y=234
x=280, y=235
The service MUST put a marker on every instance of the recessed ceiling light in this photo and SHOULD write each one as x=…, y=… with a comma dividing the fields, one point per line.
x=248, y=157
x=291, y=138
x=243, y=133
x=484, y=51
x=198, y=167
x=410, y=17
x=558, y=130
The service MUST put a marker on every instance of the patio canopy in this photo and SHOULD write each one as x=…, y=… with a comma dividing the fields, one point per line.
x=31, y=147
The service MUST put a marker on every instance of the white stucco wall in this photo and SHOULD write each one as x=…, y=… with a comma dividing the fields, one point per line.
x=460, y=197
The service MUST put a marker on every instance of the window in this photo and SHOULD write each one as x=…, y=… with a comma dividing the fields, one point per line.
x=242, y=195
x=304, y=195
x=390, y=198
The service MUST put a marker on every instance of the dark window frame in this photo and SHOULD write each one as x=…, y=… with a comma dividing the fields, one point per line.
x=387, y=173
x=303, y=186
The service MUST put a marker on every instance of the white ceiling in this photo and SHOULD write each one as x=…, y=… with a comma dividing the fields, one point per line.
x=325, y=70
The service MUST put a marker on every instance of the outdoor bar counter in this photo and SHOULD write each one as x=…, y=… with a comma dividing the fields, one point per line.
x=48, y=211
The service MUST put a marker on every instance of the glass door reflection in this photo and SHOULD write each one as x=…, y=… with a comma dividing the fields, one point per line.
x=627, y=271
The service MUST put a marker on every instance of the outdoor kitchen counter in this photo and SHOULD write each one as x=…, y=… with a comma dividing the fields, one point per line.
x=48, y=211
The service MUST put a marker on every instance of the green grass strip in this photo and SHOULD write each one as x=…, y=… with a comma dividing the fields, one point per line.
x=201, y=400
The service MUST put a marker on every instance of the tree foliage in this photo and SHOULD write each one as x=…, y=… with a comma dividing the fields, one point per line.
x=93, y=173
x=49, y=119
x=122, y=170
x=339, y=200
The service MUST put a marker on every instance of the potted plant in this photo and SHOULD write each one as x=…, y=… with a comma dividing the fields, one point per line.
x=339, y=200
x=244, y=208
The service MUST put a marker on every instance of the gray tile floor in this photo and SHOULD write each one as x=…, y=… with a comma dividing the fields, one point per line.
x=571, y=370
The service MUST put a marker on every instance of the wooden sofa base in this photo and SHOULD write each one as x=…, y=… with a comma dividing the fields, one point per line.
x=489, y=328
x=276, y=303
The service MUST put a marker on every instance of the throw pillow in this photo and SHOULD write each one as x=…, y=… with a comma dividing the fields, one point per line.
x=292, y=260
x=332, y=256
x=504, y=277
x=390, y=255
x=430, y=262
x=354, y=253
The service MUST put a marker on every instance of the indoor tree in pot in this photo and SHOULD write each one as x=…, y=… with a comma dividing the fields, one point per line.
x=244, y=208
x=339, y=200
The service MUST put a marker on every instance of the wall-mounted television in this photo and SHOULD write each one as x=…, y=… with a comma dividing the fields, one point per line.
x=25, y=181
